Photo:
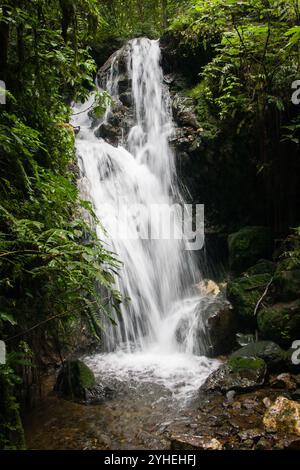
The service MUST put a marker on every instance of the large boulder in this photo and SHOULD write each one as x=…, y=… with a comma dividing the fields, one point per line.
x=283, y=416
x=221, y=328
x=238, y=374
x=247, y=246
x=244, y=293
x=270, y=352
x=280, y=322
x=212, y=323
x=76, y=381
x=287, y=282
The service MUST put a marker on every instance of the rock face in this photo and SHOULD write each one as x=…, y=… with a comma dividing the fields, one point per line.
x=283, y=415
x=239, y=374
x=247, y=246
x=270, y=352
x=186, y=442
x=76, y=381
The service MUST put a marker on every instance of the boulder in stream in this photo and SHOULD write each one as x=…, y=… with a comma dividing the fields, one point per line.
x=76, y=381
x=270, y=352
x=238, y=374
x=283, y=415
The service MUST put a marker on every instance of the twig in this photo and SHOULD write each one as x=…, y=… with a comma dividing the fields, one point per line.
x=263, y=296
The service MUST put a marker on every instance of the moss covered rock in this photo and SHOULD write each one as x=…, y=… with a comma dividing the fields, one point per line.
x=238, y=364
x=241, y=374
x=280, y=322
x=247, y=246
x=263, y=266
x=244, y=293
x=74, y=380
x=287, y=282
x=270, y=352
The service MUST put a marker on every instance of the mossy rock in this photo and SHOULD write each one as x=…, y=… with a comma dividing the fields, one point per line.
x=270, y=352
x=241, y=374
x=245, y=363
x=287, y=282
x=244, y=293
x=263, y=266
x=280, y=322
x=247, y=246
x=74, y=380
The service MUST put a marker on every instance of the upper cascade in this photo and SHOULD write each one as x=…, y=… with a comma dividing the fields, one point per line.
x=132, y=166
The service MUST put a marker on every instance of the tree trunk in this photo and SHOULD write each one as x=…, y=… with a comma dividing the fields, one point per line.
x=164, y=5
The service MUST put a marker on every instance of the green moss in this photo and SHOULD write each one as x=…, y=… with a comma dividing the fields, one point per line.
x=86, y=377
x=245, y=363
x=74, y=379
x=244, y=293
x=263, y=266
x=247, y=246
x=287, y=283
x=280, y=322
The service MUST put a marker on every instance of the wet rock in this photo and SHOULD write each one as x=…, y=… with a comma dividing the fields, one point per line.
x=249, y=404
x=215, y=326
x=244, y=339
x=270, y=352
x=208, y=287
x=108, y=132
x=267, y=402
x=239, y=374
x=183, y=111
x=284, y=381
x=248, y=444
x=124, y=84
x=283, y=415
x=230, y=396
x=263, y=444
x=253, y=434
x=247, y=246
x=221, y=329
x=186, y=442
x=76, y=381
x=280, y=322
x=126, y=99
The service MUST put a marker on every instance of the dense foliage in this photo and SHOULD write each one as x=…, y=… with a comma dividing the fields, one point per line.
x=55, y=273
x=247, y=58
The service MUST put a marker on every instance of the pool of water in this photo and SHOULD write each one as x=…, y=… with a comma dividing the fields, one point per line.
x=155, y=396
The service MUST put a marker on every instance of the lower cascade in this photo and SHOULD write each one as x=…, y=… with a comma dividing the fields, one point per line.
x=159, y=336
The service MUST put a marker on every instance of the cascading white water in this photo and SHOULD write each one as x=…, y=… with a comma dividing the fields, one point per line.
x=158, y=274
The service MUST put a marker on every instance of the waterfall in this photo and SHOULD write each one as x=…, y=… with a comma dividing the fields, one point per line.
x=158, y=275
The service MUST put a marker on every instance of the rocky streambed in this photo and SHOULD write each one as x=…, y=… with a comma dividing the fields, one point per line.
x=148, y=417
